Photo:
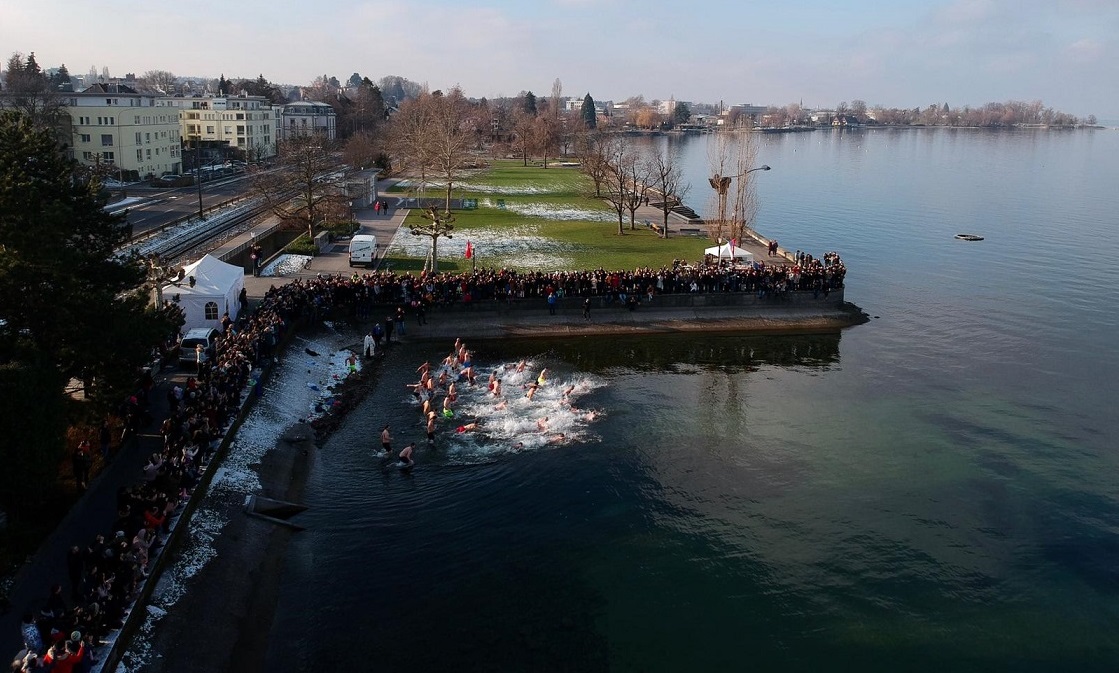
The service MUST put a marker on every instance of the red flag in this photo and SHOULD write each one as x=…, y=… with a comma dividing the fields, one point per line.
x=469, y=250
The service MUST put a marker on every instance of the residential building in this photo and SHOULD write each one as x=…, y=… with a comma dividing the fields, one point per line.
x=135, y=132
x=305, y=118
x=239, y=126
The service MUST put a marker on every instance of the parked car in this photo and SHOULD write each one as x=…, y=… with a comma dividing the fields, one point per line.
x=207, y=337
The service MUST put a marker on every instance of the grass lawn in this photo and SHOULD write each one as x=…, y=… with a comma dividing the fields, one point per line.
x=532, y=218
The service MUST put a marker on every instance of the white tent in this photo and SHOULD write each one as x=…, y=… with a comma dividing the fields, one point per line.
x=215, y=291
x=728, y=251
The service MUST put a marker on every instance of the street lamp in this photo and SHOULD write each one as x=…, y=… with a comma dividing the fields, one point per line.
x=353, y=220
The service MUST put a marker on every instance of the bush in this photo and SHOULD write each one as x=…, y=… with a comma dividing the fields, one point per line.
x=302, y=246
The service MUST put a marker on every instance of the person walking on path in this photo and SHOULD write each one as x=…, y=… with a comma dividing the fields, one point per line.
x=587, y=308
x=552, y=303
x=399, y=320
x=82, y=461
x=388, y=329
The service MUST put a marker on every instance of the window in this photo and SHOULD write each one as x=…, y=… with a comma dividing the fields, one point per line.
x=148, y=137
x=149, y=154
x=85, y=137
x=107, y=156
x=209, y=129
x=136, y=121
x=137, y=137
x=88, y=156
x=108, y=101
x=240, y=116
x=229, y=130
x=240, y=130
x=106, y=140
x=211, y=310
x=139, y=155
x=112, y=121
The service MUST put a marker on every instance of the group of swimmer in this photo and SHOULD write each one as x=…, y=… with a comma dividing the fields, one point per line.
x=456, y=368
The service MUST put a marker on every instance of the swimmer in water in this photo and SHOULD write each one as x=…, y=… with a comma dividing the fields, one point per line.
x=386, y=439
x=532, y=388
x=557, y=438
x=542, y=424
x=351, y=361
x=497, y=388
x=431, y=427
x=427, y=407
x=543, y=378
x=424, y=368
x=469, y=427
x=521, y=366
x=570, y=389
x=501, y=405
x=406, y=456
x=518, y=446
x=452, y=394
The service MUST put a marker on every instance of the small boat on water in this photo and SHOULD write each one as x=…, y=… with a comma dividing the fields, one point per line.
x=969, y=237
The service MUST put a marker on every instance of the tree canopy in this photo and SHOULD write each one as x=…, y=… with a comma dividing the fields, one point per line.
x=70, y=305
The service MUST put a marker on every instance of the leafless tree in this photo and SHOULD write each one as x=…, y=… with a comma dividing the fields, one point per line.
x=438, y=225
x=450, y=137
x=593, y=160
x=666, y=177
x=618, y=156
x=637, y=173
x=731, y=160
x=159, y=80
x=524, y=126
x=305, y=184
x=409, y=140
x=545, y=135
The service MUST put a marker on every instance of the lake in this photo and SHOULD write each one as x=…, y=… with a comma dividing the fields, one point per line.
x=934, y=490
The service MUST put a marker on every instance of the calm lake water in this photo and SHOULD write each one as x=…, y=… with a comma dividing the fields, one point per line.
x=934, y=490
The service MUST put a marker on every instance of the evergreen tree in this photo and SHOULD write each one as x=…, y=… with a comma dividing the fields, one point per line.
x=224, y=85
x=529, y=103
x=61, y=79
x=590, y=119
x=63, y=289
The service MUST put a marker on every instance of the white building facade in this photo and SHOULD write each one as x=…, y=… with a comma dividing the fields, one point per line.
x=135, y=133
x=242, y=122
x=305, y=118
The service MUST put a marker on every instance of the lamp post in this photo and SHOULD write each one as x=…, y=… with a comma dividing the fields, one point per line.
x=198, y=172
x=353, y=220
x=721, y=184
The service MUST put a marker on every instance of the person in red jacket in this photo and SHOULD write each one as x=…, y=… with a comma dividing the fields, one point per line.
x=64, y=657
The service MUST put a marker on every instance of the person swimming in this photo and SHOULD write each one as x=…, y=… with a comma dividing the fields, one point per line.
x=468, y=427
x=501, y=405
x=521, y=366
x=542, y=424
x=543, y=378
x=532, y=388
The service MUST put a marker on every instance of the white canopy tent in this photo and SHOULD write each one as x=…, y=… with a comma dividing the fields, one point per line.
x=728, y=251
x=215, y=291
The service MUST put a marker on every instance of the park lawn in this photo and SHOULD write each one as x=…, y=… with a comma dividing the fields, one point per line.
x=548, y=222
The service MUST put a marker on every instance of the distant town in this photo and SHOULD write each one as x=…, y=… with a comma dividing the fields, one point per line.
x=158, y=125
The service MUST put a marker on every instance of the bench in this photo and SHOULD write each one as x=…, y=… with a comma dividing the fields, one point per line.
x=691, y=231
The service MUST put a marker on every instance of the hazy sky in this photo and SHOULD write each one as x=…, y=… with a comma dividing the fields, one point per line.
x=897, y=53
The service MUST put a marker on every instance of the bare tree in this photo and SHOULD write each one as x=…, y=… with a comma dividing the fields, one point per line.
x=545, y=136
x=593, y=160
x=159, y=80
x=449, y=137
x=617, y=155
x=637, y=174
x=556, y=101
x=409, y=140
x=667, y=177
x=438, y=225
x=524, y=125
x=731, y=157
x=305, y=185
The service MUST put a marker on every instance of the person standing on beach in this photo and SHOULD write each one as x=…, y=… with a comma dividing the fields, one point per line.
x=386, y=439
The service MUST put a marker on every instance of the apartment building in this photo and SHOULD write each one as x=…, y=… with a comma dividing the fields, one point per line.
x=136, y=133
x=307, y=117
x=243, y=123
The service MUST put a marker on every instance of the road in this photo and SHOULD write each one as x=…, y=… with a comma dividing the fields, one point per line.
x=154, y=208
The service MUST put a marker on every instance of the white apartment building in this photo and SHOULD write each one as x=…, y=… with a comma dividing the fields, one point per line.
x=115, y=125
x=307, y=117
x=241, y=122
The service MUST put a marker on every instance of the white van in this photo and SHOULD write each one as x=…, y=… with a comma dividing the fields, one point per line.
x=363, y=250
